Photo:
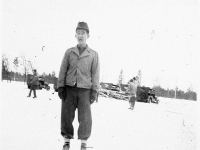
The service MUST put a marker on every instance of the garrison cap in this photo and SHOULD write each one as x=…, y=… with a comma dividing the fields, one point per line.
x=83, y=25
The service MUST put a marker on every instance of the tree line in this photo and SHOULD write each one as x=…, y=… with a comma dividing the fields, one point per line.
x=25, y=65
x=175, y=93
x=15, y=76
x=161, y=92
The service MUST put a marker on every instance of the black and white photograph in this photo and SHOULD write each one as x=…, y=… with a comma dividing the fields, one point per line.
x=100, y=75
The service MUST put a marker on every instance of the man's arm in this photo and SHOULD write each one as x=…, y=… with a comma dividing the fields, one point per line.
x=95, y=72
x=128, y=89
x=63, y=71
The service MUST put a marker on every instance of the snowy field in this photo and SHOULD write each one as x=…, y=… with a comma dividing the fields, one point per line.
x=34, y=124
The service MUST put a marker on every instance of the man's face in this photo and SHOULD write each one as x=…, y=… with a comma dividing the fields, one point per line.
x=81, y=36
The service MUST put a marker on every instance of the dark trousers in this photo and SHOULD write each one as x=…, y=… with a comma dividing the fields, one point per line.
x=33, y=88
x=76, y=98
x=132, y=101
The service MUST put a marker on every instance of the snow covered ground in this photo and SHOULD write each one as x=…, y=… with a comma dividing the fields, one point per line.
x=34, y=124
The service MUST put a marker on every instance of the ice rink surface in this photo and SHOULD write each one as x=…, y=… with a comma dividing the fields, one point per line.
x=34, y=124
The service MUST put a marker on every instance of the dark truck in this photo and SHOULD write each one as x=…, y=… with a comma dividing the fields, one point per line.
x=41, y=82
x=146, y=94
x=55, y=84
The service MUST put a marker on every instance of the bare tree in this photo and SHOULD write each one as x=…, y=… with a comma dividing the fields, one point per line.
x=176, y=90
x=25, y=67
x=53, y=73
x=156, y=82
x=31, y=65
x=16, y=65
x=5, y=68
x=190, y=94
x=139, y=76
x=121, y=77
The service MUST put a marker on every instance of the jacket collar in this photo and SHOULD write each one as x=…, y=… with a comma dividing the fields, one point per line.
x=85, y=53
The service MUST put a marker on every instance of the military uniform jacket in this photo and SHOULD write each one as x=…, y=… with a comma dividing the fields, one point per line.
x=34, y=80
x=132, y=88
x=80, y=70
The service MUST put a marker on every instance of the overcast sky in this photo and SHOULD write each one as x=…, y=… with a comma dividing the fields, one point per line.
x=159, y=37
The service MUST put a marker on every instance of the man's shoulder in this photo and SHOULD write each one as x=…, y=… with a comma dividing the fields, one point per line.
x=132, y=84
x=71, y=49
x=92, y=50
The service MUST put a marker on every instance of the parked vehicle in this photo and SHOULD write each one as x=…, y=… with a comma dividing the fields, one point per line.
x=41, y=82
x=146, y=94
x=113, y=91
x=55, y=84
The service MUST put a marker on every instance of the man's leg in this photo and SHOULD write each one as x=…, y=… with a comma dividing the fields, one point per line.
x=84, y=114
x=68, y=113
x=133, y=101
x=130, y=103
x=30, y=93
x=34, y=91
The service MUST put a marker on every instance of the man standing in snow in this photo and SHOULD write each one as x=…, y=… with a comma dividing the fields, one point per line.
x=132, y=89
x=78, y=85
x=34, y=84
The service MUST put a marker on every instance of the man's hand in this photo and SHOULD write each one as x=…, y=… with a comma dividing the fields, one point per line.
x=93, y=96
x=61, y=93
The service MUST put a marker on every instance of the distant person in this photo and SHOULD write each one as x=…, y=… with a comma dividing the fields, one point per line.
x=8, y=77
x=33, y=83
x=78, y=86
x=132, y=89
